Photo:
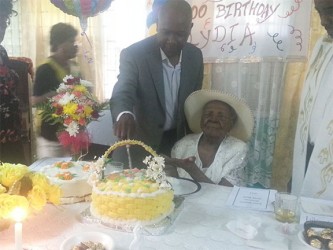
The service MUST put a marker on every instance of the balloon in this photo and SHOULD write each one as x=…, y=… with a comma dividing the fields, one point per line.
x=82, y=8
x=152, y=16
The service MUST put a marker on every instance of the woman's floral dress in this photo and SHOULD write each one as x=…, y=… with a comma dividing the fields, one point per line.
x=10, y=114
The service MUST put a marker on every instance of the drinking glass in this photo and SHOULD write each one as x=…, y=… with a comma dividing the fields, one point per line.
x=113, y=167
x=285, y=207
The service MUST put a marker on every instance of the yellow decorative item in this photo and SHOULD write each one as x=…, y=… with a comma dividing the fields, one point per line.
x=20, y=187
x=133, y=195
x=129, y=142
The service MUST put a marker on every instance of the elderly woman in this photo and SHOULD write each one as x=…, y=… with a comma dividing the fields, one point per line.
x=216, y=152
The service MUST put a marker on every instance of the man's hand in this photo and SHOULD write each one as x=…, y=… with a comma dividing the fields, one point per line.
x=124, y=128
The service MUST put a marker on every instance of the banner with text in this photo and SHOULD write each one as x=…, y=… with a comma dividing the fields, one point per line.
x=251, y=28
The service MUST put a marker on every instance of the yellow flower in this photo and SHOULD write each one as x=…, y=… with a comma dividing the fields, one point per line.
x=37, y=198
x=54, y=194
x=70, y=109
x=88, y=110
x=9, y=173
x=9, y=202
x=39, y=179
x=80, y=88
x=2, y=189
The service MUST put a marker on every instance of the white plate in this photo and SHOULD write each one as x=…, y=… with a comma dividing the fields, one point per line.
x=301, y=238
x=76, y=239
x=183, y=186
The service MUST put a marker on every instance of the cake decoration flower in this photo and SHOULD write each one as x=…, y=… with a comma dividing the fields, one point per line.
x=155, y=169
x=98, y=167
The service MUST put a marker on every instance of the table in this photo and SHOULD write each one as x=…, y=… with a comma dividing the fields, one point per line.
x=200, y=225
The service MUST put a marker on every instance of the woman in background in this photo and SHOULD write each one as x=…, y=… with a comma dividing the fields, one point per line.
x=49, y=75
x=11, y=147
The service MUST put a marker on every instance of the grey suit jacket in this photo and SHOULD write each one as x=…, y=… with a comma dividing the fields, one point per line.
x=140, y=87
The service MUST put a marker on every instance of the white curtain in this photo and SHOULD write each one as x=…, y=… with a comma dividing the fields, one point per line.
x=249, y=49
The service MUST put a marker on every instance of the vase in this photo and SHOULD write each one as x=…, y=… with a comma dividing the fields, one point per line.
x=77, y=144
x=79, y=156
x=76, y=157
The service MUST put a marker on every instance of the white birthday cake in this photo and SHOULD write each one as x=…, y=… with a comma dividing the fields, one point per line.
x=72, y=178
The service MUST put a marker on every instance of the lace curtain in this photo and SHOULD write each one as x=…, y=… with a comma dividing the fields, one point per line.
x=272, y=89
x=260, y=79
x=260, y=83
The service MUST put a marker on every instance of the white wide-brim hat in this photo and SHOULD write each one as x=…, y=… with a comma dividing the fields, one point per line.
x=195, y=102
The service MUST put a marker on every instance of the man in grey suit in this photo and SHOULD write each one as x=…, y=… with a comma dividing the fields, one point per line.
x=156, y=76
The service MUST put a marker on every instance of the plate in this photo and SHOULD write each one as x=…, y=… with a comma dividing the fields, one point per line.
x=301, y=238
x=76, y=239
x=183, y=186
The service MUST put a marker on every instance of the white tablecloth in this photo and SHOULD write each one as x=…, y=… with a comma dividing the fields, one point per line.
x=201, y=224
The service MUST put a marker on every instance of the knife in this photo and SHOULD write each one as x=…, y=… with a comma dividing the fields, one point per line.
x=129, y=156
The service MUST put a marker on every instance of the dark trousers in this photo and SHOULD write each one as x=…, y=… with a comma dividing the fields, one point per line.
x=12, y=152
x=168, y=141
x=138, y=153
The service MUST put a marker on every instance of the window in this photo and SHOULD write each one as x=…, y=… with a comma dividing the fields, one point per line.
x=122, y=24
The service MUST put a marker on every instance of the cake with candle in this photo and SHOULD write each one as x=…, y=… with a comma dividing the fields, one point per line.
x=72, y=177
x=131, y=196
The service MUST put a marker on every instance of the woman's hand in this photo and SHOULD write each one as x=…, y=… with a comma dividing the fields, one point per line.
x=187, y=164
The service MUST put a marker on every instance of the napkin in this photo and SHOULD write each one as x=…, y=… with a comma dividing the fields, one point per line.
x=245, y=229
x=137, y=241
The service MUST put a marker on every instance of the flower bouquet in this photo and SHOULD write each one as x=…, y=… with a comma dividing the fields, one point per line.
x=20, y=187
x=72, y=108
